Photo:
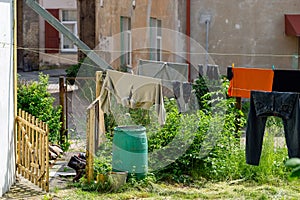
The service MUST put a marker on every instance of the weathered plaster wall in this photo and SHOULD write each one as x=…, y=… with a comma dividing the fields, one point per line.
x=7, y=143
x=108, y=27
x=241, y=29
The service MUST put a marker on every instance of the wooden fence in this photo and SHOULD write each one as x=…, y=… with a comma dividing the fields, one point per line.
x=32, y=149
x=95, y=129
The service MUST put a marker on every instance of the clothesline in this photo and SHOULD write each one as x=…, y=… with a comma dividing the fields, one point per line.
x=192, y=83
x=244, y=80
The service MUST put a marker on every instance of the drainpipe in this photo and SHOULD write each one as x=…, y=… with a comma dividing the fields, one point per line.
x=188, y=35
x=205, y=18
x=207, y=22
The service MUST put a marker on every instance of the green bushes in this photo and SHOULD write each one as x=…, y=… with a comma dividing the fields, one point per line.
x=34, y=98
x=216, y=151
x=205, y=144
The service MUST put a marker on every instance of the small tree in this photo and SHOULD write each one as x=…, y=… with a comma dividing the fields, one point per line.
x=34, y=98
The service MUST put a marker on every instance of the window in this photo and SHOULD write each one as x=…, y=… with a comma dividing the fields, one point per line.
x=126, y=59
x=69, y=19
x=155, y=39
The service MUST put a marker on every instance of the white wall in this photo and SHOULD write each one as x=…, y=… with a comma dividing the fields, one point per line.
x=7, y=150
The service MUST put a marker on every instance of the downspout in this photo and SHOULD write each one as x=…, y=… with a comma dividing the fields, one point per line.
x=148, y=33
x=207, y=22
x=149, y=13
x=188, y=35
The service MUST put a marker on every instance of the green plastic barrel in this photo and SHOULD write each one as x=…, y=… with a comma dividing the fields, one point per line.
x=130, y=150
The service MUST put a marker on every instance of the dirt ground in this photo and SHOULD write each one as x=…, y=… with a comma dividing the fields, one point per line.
x=60, y=176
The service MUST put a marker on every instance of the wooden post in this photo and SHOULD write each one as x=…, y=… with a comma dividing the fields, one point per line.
x=90, y=142
x=99, y=82
x=238, y=105
x=66, y=109
x=47, y=156
x=63, y=112
x=94, y=113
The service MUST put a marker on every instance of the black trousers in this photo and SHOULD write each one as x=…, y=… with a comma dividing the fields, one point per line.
x=263, y=104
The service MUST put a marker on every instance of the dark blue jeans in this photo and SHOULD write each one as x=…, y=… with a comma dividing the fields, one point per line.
x=263, y=104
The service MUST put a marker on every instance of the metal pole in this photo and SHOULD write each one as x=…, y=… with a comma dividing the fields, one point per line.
x=207, y=44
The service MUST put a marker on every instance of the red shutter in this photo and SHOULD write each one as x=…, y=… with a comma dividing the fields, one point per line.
x=51, y=34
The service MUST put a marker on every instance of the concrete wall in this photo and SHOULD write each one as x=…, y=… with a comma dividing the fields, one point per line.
x=7, y=143
x=56, y=59
x=108, y=27
x=241, y=29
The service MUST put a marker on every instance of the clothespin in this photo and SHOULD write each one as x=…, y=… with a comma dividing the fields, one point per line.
x=232, y=65
x=273, y=67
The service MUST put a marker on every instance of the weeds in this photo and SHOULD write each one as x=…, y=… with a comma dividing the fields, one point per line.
x=215, y=151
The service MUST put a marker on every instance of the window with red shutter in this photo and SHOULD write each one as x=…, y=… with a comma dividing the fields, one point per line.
x=51, y=34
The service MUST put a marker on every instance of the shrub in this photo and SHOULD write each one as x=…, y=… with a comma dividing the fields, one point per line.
x=34, y=98
x=215, y=151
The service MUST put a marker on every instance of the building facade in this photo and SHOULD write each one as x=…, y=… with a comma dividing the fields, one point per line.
x=55, y=48
x=246, y=32
x=129, y=30
x=39, y=43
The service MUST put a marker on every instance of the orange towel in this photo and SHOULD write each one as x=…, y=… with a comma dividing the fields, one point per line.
x=246, y=79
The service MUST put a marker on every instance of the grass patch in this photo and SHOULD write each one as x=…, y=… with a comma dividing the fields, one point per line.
x=209, y=190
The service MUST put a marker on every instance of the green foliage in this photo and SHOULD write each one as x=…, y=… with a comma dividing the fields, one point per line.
x=85, y=67
x=159, y=137
x=213, y=135
x=34, y=98
x=133, y=182
x=66, y=145
x=103, y=187
x=201, y=89
x=216, y=152
x=102, y=165
x=83, y=74
x=294, y=163
x=73, y=70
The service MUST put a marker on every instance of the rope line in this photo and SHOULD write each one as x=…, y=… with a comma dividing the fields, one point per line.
x=40, y=50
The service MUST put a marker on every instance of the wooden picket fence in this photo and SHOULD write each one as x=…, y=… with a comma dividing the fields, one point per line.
x=32, y=149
